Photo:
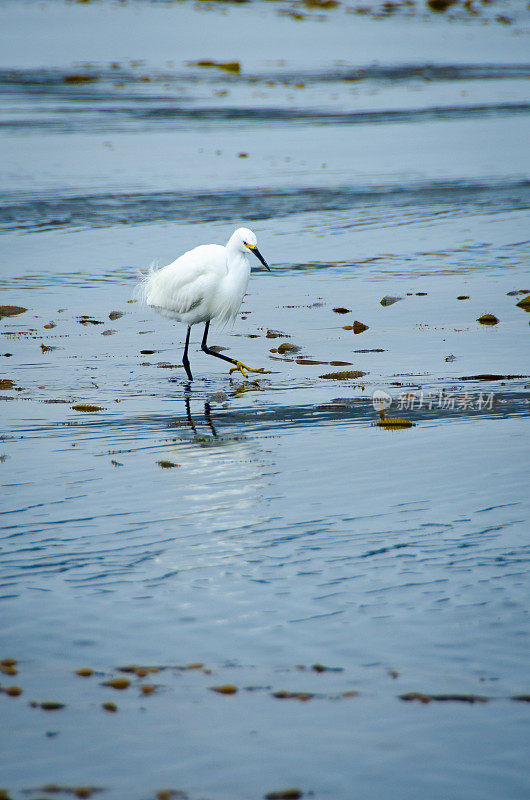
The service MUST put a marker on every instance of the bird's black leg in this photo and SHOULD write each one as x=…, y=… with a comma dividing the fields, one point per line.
x=207, y=410
x=185, y=359
x=238, y=364
x=206, y=349
x=188, y=414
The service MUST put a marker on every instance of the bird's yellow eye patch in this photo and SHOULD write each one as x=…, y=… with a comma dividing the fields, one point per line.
x=250, y=246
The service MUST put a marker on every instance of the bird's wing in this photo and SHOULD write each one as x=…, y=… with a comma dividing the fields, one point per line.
x=187, y=281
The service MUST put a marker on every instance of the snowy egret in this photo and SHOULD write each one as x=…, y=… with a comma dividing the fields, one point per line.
x=208, y=282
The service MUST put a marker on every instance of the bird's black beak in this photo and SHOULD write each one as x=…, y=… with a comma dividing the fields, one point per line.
x=258, y=255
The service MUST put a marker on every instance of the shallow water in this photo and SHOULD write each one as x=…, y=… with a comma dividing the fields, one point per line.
x=259, y=527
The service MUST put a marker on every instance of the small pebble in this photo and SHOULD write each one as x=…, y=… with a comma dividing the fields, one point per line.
x=118, y=683
x=287, y=347
x=285, y=794
x=13, y=691
x=51, y=705
x=488, y=319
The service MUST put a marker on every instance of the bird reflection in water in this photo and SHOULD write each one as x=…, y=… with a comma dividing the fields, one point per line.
x=237, y=390
x=220, y=477
x=207, y=415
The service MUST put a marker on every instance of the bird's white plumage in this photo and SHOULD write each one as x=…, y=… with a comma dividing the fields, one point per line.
x=208, y=282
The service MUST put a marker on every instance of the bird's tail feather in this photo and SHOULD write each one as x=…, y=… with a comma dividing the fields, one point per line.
x=142, y=288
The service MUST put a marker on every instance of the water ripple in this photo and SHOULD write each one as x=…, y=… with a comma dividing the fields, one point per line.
x=46, y=211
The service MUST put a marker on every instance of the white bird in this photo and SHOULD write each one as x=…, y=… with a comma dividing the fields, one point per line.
x=208, y=282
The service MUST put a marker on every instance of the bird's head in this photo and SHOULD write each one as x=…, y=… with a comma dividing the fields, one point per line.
x=246, y=240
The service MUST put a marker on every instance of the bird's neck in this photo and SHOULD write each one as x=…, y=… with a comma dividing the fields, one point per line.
x=235, y=282
x=237, y=261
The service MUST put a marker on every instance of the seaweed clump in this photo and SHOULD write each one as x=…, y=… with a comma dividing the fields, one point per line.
x=344, y=376
x=11, y=311
x=488, y=319
x=392, y=422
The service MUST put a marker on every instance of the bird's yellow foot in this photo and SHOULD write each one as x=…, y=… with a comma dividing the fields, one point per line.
x=242, y=367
